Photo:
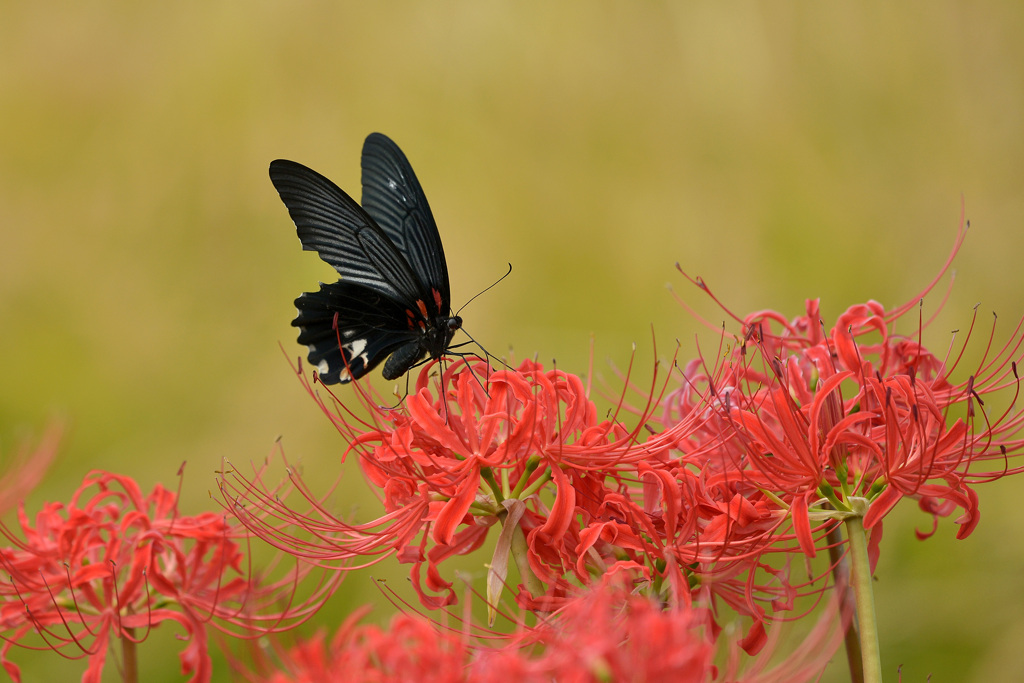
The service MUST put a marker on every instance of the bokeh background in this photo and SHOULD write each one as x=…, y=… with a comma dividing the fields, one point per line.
x=780, y=151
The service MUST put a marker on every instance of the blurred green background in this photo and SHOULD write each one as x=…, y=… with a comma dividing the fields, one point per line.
x=148, y=268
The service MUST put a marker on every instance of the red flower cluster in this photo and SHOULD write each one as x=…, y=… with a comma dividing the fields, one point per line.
x=605, y=633
x=114, y=563
x=756, y=458
x=851, y=422
x=574, y=496
x=490, y=446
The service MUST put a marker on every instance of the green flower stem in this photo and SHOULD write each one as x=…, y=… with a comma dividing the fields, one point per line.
x=506, y=490
x=841, y=573
x=829, y=493
x=866, y=618
x=534, y=487
x=488, y=476
x=532, y=464
x=130, y=656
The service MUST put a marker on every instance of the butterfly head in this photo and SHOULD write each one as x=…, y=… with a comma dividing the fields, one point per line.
x=439, y=335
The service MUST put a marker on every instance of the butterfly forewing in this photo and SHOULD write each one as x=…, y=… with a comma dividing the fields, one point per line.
x=392, y=196
x=332, y=224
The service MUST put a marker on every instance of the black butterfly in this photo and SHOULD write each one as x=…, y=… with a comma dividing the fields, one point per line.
x=393, y=298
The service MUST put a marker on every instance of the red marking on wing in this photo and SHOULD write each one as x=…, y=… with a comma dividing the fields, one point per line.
x=415, y=321
x=437, y=298
x=423, y=307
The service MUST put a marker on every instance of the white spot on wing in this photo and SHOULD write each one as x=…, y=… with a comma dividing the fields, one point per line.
x=356, y=351
x=356, y=348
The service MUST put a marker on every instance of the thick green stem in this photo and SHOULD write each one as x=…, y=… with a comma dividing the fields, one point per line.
x=130, y=650
x=841, y=574
x=866, y=618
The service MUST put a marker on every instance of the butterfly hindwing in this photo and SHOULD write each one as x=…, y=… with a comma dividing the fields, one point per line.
x=349, y=329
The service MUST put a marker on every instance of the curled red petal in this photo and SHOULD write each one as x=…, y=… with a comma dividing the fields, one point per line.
x=454, y=511
x=881, y=506
x=802, y=525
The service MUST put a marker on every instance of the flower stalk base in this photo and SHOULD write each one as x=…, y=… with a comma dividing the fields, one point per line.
x=866, y=617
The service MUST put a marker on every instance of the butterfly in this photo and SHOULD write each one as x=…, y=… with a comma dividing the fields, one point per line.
x=393, y=299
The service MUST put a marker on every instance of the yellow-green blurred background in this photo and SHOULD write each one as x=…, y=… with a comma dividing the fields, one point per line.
x=781, y=151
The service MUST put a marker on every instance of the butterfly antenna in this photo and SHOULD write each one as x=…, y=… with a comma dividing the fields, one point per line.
x=485, y=289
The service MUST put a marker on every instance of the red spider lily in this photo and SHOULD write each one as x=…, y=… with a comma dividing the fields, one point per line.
x=574, y=496
x=114, y=563
x=609, y=633
x=450, y=467
x=410, y=649
x=826, y=425
x=606, y=632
